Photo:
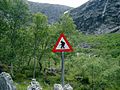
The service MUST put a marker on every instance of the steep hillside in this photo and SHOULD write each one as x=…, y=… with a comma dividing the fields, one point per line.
x=53, y=11
x=98, y=16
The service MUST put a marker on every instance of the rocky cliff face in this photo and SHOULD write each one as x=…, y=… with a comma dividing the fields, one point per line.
x=53, y=11
x=98, y=16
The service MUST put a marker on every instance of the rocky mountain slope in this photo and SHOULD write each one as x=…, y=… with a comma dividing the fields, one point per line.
x=53, y=11
x=98, y=16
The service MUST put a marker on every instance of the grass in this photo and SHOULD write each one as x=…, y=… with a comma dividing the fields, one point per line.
x=25, y=83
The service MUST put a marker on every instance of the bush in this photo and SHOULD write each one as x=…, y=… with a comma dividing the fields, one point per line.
x=20, y=77
x=3, y=68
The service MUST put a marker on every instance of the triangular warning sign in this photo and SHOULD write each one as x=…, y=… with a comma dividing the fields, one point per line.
x=62, y=45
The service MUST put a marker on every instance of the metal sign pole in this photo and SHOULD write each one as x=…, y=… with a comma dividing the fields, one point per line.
x=62, y=45
x=62, y=69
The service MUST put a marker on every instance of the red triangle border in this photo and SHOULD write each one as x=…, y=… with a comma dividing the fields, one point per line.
x=62, y=50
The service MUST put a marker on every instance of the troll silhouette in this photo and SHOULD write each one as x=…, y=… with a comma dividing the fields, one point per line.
x=62, y=44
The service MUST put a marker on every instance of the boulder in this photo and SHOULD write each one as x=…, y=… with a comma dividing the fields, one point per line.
x=34, y=85
x=58, y=87
x=6, y=82
x=68, y=87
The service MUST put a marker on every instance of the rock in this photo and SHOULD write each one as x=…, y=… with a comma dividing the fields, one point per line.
x=58, y=87
x=97, y=17
x=34, y=85
x=6, y=82
x=68, y=87
x=85, y=45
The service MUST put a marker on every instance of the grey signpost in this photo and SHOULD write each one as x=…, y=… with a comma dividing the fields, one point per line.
x=62, y=69
x=62, y=45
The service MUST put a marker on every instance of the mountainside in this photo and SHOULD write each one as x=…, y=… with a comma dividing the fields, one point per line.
x=53, y=11
x=98, y=16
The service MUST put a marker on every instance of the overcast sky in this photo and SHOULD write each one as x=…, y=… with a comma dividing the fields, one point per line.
x=72, y=3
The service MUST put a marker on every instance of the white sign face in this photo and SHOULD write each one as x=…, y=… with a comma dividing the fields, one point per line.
x=62, y=44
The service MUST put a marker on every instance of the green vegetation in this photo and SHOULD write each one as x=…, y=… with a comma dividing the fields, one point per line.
x=27, y=38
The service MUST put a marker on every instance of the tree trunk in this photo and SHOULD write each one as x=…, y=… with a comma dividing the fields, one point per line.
x=34, y=53
x=11, y=70
x=29, y=61
x=40, y=66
